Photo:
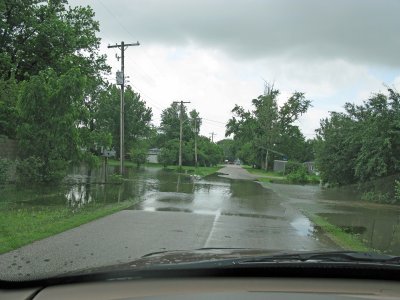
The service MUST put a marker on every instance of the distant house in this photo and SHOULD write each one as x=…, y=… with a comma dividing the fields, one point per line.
x=310, y=167
x=152, y=155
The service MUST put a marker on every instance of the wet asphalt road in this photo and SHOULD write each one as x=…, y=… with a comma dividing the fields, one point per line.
x=221, y=212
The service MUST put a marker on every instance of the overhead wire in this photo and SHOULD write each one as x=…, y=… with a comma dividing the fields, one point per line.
x=130, y=34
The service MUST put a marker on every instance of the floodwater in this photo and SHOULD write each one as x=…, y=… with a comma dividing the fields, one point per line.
x=377, y=225
x=155, y=189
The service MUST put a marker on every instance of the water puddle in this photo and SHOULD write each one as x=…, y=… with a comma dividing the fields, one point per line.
x=303, y=226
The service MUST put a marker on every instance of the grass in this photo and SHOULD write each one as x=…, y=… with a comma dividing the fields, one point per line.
x=114, y=162
x=201, y=171
x=19, y=227
x=343, y=239
x=277, y=177
x=261, y=172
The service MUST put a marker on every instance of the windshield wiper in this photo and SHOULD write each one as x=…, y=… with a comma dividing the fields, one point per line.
x=333, y=256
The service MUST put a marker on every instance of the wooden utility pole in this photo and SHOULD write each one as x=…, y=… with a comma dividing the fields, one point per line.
x=212, y=136
x=121, y=82
x=180, y=131
x=195, y=140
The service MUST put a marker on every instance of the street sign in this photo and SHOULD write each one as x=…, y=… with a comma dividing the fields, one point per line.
x=109, y=153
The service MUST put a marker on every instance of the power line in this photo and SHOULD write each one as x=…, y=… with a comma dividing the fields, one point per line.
x=214, y=121
x=129, y=33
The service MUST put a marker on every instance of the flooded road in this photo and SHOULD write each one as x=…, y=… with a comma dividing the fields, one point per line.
x=181, y=212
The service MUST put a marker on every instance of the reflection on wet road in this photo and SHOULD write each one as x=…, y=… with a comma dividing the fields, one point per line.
x=181, y=212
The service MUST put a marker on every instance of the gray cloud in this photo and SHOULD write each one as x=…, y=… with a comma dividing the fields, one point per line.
x=362, y=31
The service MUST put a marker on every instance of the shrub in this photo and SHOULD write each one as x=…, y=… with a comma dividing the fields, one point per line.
x=397, y=190
x=298, y=176
x=34, y=170
x=293, y=166
x=115, y=178
x=4, y=168
x=373, y=196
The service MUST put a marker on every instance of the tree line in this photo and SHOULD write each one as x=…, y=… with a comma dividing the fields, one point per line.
x=56, y=104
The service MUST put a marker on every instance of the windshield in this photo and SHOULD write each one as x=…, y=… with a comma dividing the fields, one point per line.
x=132, y=127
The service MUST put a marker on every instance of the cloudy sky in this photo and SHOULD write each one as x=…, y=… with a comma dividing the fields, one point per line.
x=217, y=53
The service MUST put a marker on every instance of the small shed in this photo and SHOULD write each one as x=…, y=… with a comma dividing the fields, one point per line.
x=280, y=165
x=152, y=155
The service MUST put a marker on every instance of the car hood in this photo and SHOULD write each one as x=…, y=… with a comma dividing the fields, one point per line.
x=174, y=257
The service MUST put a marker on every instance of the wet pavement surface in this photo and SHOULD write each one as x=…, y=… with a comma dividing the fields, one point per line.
x=177, y=212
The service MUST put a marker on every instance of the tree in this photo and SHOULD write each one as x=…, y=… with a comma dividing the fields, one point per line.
x=50, y=52
x=49, y=106
x=229, y=148
x=210, y=153
x=137, y=117
x=9, y=117
x=361, y=144
x=170, y=124
x=36, y=35
x=138, y=153
x=268, y=128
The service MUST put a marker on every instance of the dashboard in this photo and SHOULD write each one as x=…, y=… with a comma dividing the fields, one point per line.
x=214, y=288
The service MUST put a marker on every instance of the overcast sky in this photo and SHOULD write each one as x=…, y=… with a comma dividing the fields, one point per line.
x=217, y=53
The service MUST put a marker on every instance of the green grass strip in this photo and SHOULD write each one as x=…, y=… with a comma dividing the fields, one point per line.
x=343, y=239
x=19, y=227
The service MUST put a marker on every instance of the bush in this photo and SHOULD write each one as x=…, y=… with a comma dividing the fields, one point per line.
x=373, y=196
x=34, y=170
x=298, y=176
x=293, y=166
x=115, y=178
x=397, y=190
x=4, y=168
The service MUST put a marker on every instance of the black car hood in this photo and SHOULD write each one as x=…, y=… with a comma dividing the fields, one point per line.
x=174, y=257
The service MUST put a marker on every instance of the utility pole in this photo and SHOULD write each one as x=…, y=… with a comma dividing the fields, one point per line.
x=180, y=131
x=195, y=140
x=121, y=81
x=212, y=136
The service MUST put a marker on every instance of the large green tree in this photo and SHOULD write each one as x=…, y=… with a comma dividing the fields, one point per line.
x=137, y=117
x=49, y=106
x=361, y=144
x=168, y=139
x=269, y=129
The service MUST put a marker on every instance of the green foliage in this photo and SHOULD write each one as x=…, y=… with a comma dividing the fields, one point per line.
x=296, y=172
x=229, y=148
x=138, y=153
x=361, y=144
x=50, y=78
x=298, y=176
x=9, y=117
x=33, y=170
x=107, y=116
x=115, y=178
x=49, y=107
x=268, y=127
x=397, y=191
x=294, y=166
x=36, y=35
x=169, y=153
x=380, y=197
x=4, y=169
